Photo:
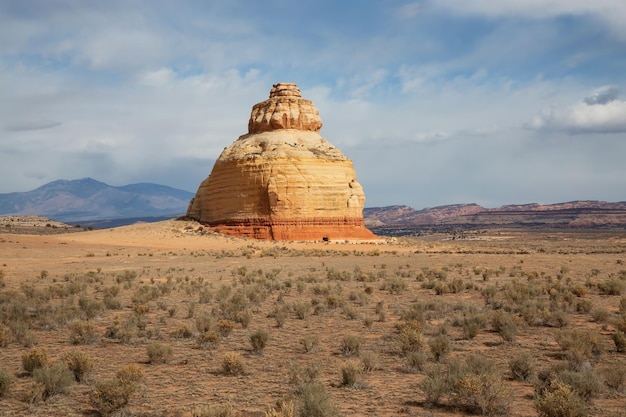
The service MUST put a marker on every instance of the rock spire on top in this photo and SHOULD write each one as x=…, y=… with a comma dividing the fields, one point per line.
x=285, y=109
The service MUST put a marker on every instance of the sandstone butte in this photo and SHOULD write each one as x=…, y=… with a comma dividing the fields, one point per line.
x=282, y=180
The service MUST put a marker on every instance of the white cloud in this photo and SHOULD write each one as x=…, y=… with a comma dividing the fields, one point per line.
x=600, y=112
x=610, y=12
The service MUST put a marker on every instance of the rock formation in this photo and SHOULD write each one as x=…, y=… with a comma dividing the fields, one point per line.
x=282, y=180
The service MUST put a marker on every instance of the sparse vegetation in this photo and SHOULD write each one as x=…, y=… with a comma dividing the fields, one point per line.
x=328, y=319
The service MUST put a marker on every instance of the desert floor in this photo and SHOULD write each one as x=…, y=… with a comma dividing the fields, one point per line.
x=174, y=284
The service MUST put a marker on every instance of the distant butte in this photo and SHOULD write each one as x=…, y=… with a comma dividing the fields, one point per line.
x=282, y=180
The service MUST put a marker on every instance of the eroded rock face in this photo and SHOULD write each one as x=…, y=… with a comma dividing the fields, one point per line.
x=283, y=180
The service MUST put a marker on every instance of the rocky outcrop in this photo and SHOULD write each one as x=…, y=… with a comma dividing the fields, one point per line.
x=283, y=180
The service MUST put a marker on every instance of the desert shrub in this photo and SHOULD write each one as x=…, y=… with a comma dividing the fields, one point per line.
x=410, y=337
x=53, y=379
x=600, y=315
x=310, y=343
x=612, y=287
x=483, y=393
x=111, y=303
x=314, y=401
x=619, y=338
x=34, y=359
x=83, y=332
x=302, y=310
x=615, y=377
x=300, y=376
x=472, y=325
x=158, y=353
x=111, y=395
x=370, y=361
x=555, y=318
x=522, y=366
x=217, y=410
x=352, y=374
x=89, y=307
x=225, y=327
x=5, y=382
x=130, y=374
x=395, y=285
x=79, y=363
x=280, y=315
x=470, y=383
x=435, y=385
x=579, y=345
x=416, y=360
x=282, y=409
x=204, y=323
x=232, y=363
x=560, y=400
x=122, y=330
x=504, y=324
x=585, y=382
x=259, y=339
x=439, y=346
x=181, y=332
x=351, y=345
x=208, y=339
x=5, y=335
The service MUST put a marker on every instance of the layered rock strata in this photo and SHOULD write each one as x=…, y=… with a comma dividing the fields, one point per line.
x=282, y=180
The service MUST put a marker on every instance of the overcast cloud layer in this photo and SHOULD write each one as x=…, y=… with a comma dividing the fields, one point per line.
x=436, y=102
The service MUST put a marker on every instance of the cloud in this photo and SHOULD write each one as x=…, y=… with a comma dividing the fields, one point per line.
x=600, y=112
x=602, y=95
x=611, y=13
x=24, y=125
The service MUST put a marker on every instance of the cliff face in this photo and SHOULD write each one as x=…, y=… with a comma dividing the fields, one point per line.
x=283, y=180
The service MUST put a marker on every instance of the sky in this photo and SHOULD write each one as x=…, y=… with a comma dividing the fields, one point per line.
x=436, y=102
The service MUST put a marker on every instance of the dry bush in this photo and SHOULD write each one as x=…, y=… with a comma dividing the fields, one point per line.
x=159, y=353
x=181, y=332
x=351, y=345
x=34, y=359
x=439, y=346
x=53, y=379
x=208, y=340
x=505, y=324
x=352, y=374
x=301, y=376
x=314, y=401
x=259, y=339
x=5, y=335
x=5, y=382
x=220, y=410
x=232, y=363
x=560, y=400
x=579, y=345
x=471, y=383
x=416, y=361
x=615, y=377
x=522, y=366
x=619, y=338
x=282, y=409
x=612, y=287
x=130, y=374
x=79, y=363
x=410, y=337
x=111, y=395
x=370, y=361
x=82, y=333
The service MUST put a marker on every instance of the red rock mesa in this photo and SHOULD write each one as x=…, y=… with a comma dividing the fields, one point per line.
x=282, y=180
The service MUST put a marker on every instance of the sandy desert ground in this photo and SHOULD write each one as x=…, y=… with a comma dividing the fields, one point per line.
x=373, y=325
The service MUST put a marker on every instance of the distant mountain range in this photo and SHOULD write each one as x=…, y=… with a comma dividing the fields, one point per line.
x=93, y=203
x=90, y=200
x=574, y=214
